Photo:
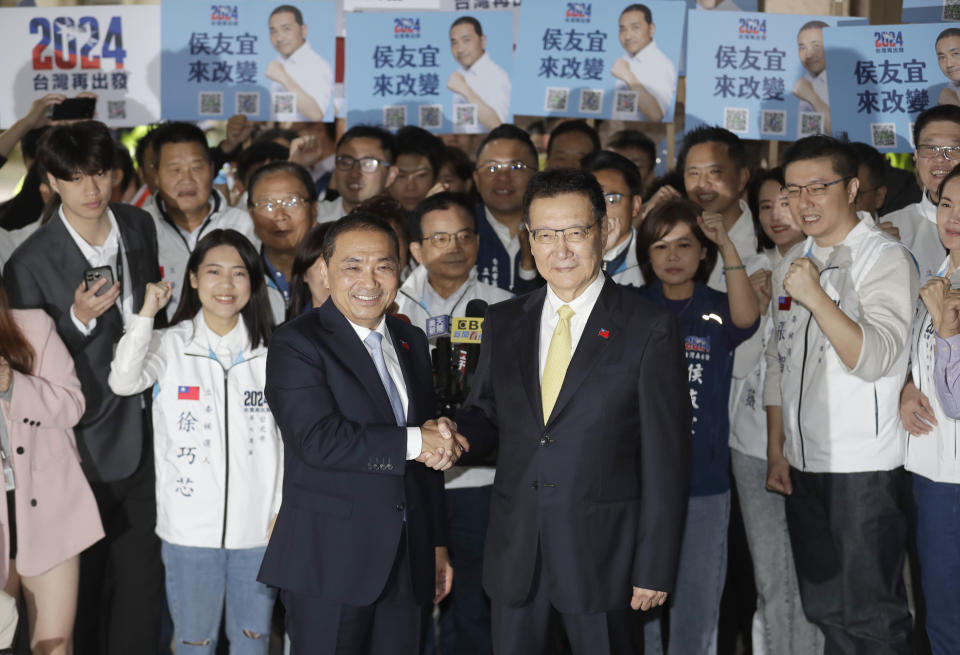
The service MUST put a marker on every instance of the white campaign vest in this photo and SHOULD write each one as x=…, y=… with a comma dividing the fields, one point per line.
x=932, y=455
x=834, y=421
x=410, y=297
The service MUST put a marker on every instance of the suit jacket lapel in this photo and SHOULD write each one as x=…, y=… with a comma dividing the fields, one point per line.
x=133, y=248
x=66, y=253
x=403, y=355
x=529, y=349
x=601, y=324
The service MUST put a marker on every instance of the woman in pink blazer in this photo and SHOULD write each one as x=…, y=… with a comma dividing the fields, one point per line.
x=54, y=513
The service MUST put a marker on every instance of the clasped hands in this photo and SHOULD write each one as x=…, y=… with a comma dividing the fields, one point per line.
x=442, y=444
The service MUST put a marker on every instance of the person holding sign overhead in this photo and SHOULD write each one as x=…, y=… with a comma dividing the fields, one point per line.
x=645, y=69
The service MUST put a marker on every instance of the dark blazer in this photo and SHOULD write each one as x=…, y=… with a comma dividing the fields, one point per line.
x=346, y=481
x=43, y=273
x=602, y=487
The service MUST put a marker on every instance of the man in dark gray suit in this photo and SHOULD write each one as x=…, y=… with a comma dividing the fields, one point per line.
x=120, y=579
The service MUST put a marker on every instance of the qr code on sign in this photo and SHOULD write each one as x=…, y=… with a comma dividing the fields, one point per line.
x=394, y=117
x=284, y=105
x=116, y=109
x=431, y=117
x=736, y=119
x=811, y=123
x=211, y=103
x=951, y=9
x=625, y=102
x=248, y=103
x=883, y=135
x=465, y=116
x=591, y=101
x=556, y=99
x=774, y=122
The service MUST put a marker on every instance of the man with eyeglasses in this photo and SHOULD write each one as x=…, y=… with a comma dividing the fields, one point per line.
x=844, y=310
x=363, y=169
x=622, y=190
x=506, y=160
x=582, y=387
x=936, y=138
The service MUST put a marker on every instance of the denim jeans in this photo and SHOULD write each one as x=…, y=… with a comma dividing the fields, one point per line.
x=938, y=544
x=695, y=603
x=198, y=581
x=780, y=626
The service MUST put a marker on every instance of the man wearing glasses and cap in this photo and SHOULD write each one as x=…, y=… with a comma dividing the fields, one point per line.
x=364, y=169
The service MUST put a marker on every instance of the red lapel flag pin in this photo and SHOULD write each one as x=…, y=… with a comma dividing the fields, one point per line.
x=605, y=334
x=404, y=345
x=783, y=303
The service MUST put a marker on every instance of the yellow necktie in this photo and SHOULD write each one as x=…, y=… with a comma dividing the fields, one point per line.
x=558, y=358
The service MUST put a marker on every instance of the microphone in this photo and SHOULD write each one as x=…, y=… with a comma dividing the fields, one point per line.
x=468, y=333
x=437, y=326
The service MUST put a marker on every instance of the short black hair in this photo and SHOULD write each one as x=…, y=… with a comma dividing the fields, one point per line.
x=123, y=161
x=288, y=167
x=413, y=140
x=256, y=314
x=713, y=134
x=757, y=180
x=607, y=160
x=144, y=142
x=812, y=24
x=578, y=125
x=459, y=161
x=559, y=181
x=308, y=252
x=950, y=176
x=950, y=31
x=875, y=162
x=634, y=139
x=658, y=224
x=468, y=20
x=950, y=113
x=178, y=132
x=371, y=132
x=509, y=132
x=84, y=147
x=439, y=202
x=259, y=153
x=841, y=155
x=358, y=219
x=31, y=140
x=672, y=178
x=297, y=15
x=644, y=9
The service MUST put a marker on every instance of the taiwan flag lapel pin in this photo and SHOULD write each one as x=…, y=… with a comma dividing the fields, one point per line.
x=404, y=345
x=783, y=303
x=604, y=333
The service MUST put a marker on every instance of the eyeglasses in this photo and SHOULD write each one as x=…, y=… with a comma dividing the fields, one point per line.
x=271, y=207
x=367, y=164
x=613, y=198
x=443, y=239
x=494, y=167
x=546, y=236
x=815, y=189
x=926, y=151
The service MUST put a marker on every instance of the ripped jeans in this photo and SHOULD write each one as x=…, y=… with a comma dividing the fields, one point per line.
x=198, y=580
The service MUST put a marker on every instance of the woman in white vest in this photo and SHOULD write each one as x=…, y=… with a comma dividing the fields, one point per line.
x=932, y=441
x=218, y=452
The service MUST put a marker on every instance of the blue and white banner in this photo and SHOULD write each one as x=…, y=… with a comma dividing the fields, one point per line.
x=761, y=76
x=585, y=59
x=109, y=50
x=882, y=76
x=442, y=71
x=244, y=58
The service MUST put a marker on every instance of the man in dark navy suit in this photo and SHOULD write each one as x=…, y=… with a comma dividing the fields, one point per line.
x=358, y=546
x=582, y=384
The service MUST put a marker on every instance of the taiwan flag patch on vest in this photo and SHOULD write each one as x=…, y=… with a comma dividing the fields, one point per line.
x=783, y=303
x=188, y=393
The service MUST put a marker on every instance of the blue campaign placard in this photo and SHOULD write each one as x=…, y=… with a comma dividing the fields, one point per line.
x=882, y=76
x=761, y=76
x=442, y=71
x=242, y=58
x=930, y=11
x=712, y=5
x=573, y=59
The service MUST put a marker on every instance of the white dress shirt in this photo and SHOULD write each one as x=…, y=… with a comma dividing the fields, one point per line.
x=582, y=305
x=656, y=73
x=414, y=438
x=330, y=210
x=745, y=240
x=312, y=73
x=819, y=83
x=492, y=84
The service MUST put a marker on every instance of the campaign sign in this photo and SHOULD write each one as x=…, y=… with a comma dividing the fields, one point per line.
x=930, y=11
x=241, y=58
x=712, y=5
x=761, y=76
x=574, y=60
x=422, y=69
x=107, y=50
x=883, y=76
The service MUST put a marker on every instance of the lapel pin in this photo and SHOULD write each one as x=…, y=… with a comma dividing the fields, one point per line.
x=404, y=345
x=605, y=334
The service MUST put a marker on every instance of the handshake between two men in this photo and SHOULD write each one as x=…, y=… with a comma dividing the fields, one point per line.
x=442, y=444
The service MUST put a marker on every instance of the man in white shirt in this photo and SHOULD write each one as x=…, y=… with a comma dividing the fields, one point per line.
x=645, y=69
x=299, y=69
x=936, y=135
x=479, y=81
x=811, y=89
x=948, y=56
x=363, y=169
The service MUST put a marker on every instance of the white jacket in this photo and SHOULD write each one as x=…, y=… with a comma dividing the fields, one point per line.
x=173, y=248
x=918, y=232
x=933, y=455
x=410, y=298
x=219, y=457
x=836, y=419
